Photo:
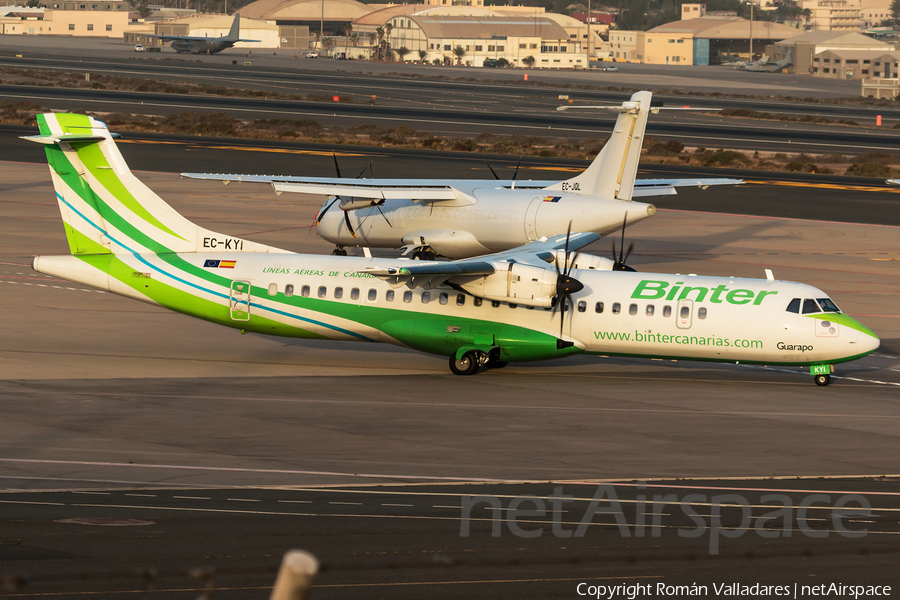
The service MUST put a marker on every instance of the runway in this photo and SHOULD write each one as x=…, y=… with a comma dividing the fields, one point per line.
x=194, y=445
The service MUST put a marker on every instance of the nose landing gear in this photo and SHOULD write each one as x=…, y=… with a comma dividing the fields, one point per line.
x=821, y=374
x=822, y=379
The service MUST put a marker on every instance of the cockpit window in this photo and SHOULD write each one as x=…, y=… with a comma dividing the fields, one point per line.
x=810, y=306
x=794, y=306
x=828, y=305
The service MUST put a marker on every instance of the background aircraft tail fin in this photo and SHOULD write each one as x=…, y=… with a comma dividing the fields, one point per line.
x=613, y=172
x=105, y=208
x=235, y=34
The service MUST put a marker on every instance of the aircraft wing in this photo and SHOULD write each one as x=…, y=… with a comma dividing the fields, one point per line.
x=187, y=38
x=431, y=189
x=539, y=252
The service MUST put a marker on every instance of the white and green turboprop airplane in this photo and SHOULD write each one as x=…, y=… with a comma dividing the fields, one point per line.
x=459, y=218
x=487, y=311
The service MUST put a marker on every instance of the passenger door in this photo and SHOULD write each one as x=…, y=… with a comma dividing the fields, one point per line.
x=685, y=314
x=239, y=301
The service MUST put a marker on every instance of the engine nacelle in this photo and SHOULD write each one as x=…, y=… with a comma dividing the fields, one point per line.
x=517, y=284
x=583, y=261
x=358, y=203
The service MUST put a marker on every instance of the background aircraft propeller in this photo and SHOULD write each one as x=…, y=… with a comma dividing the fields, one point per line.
x=565, y=285
x=619, y=261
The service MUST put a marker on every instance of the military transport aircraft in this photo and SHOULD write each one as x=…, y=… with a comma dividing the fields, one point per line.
x=184, y=44
x=767, y=66
x=468, y=217
x=534, y=302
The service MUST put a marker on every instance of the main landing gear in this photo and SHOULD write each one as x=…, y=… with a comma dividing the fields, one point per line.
x=822, y=379
x=424, y=253
x=471, y=360
x=339, y=251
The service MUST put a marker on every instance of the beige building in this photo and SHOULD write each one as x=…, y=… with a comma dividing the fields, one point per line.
x=652, y=48
x=876, y=87
x=855, y=64
x=805, y=47
x=81, y=23
x=833, y=15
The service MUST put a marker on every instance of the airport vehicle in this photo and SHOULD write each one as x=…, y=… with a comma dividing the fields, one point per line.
x=610, y=69
x=312, y=54
x=535, y=302
x=139, y=48
x=467, y=217
x=766, y=66
x=186, y=44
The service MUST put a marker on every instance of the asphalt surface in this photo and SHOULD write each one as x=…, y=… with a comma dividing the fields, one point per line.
x=775, y=194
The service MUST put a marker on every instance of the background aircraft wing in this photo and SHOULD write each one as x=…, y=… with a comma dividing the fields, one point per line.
x=187, y=38
x=666, y=187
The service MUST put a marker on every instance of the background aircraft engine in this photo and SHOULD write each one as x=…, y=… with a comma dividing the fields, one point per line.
x=517, y=284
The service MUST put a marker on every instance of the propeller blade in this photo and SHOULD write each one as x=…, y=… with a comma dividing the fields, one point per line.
x=493, y=172
x=627, y=254
x=336, y=167
x=624, y=224
x=364, y=170
x=384, y=217
x=322, y=212
x=347, y=221
x=516, y=173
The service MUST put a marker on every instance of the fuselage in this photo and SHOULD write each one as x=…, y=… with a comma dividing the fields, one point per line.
x=617, y=313
x=497, y=220
x=195, y=46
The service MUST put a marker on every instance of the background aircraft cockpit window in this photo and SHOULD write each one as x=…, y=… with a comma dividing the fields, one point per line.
x=389, y=295
x=828, y=305
x=598, y=308
x=323, y=291
x=407, y=297
x=650, y=310
x=794, y=306
x=354, y=294
x=667, y=311
x=701, y=313
x=373, y=294
x=289, y=289
x=810, y=306
x=304, y=291
x=617, y=308
x=273, y=289
x=443, y=298
x=338, y=292
x=632, y=309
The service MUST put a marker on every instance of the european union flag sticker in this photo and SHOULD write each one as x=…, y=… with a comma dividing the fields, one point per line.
x=211, y=263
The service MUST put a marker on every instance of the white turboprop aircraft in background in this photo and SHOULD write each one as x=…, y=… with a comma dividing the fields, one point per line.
x=468, y=217
x=533, y=302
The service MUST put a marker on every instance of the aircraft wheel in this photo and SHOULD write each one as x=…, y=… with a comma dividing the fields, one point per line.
x=467, y=365
x=339, y=252
x=823, y=379
x=423, y=254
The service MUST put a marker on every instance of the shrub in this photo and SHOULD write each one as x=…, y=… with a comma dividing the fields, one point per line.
x=725, y=158
x=869, y=170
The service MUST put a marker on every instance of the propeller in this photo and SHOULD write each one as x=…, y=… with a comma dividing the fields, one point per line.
x=619, y=262
x=492, y=169
x=565, y=285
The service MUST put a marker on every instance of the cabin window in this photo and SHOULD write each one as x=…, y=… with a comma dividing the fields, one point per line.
x=617, y=308
x=632, y=309
x=495, y=303
x=794, y=306
x=460, y=300
x=582, y=306
x=810, y=306
x=426, y=297
x=323, y=291
x=685, y=312
x=598, y=308
x=373, y=295
x=667, y=311
x=354, y=294
x=828, y=305
x=650, y=310
x=444, y=298
x=289, y=289
x=389, y=295
x=338, y=292
x=477, y=301
x=304, y=291
x=273, y=289
x=407, y=297
x=701, y=312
